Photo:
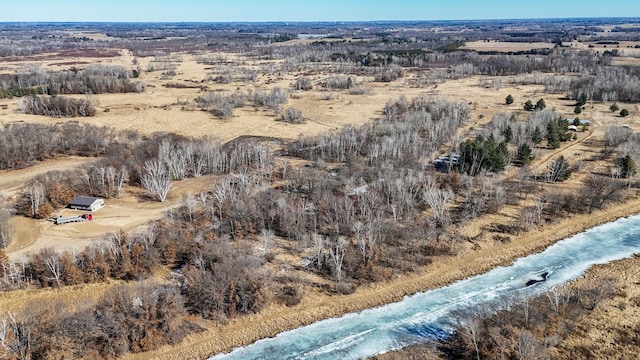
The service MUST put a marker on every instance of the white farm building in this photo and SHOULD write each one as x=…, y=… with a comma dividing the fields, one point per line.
x=86, y=203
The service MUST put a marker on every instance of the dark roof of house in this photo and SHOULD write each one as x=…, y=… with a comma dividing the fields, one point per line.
x=83, y=201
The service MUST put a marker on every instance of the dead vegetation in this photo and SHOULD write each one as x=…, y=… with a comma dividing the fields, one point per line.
x=333, y=210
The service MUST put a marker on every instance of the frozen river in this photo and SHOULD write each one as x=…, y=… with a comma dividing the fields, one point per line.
x=424, y=316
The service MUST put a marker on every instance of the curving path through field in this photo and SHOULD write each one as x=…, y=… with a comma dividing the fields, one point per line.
x=12, y=180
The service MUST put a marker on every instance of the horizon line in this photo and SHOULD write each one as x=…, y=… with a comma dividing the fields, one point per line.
x=310, y=21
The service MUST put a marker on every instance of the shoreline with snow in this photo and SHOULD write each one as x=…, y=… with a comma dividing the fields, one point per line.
x=315, y=307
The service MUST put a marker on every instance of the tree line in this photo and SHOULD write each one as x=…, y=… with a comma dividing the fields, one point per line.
x=95, y=79
x=56, y=106
x=223, y=105
x=23, y=144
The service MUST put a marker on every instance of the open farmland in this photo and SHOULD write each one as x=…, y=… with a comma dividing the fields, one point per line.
x=506, y=46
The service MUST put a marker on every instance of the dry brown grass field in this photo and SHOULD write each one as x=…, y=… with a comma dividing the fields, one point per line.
x=503, y=46
x=157, y=109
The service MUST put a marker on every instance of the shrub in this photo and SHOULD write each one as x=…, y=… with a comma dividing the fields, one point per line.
x=221, y=105
x=293, y=116
x=56, y=106
x=291, y=294
x=624, y=112
x=339, y=82
x=328, y=96
x=388, y=74
x=359, y=89
x=614, y=108
x=577, y=110
x=303, y=83
x=272, y=100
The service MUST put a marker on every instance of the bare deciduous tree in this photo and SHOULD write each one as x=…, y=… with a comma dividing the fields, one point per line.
x=558, y=170
x=597, y=290
x=337, y=255
x=222, y=192
x=616, y=135
x=5, y=228
x=438, y=200
x=35, y=193
x=539, y=202
x=53, y=264
x=361, y=240
x=473, y=327
x=189, y=203
x=557, y=296
x=529, y=348
x=5, y=328
x=527, y=217
x=266, y=240
x=156, y=179
x=318, y=245
x=525, y=302
x=600, y=189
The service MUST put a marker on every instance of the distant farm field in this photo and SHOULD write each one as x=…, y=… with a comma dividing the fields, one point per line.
x=502, y=46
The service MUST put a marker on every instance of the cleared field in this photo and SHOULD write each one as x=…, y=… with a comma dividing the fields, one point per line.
x=129, y=213
x=157, y=109
x=11, y=181
x=160, y=109
x=505, y=46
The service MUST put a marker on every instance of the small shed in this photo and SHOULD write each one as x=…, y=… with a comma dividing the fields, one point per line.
x=86, y=203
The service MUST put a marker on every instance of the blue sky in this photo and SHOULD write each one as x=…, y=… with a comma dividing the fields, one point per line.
x=304, y=10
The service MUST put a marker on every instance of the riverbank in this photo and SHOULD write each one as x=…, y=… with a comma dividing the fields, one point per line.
x=314, y=307
x=610, y=331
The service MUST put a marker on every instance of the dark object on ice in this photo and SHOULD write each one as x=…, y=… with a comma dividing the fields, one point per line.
x=543, y=277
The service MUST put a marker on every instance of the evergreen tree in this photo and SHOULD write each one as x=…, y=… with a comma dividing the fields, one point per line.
x=508, y=134
x=624, y=112
x=499, y=157
x=614, y=108
x=482, y=153
x=627, y=166
x=540, y=105
x=536, y=137
x=582, y=100
x=524, y=154
x=577, y=110
x=553, y=139
x=563, y=130
x=528, y=105
x=509, y=100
